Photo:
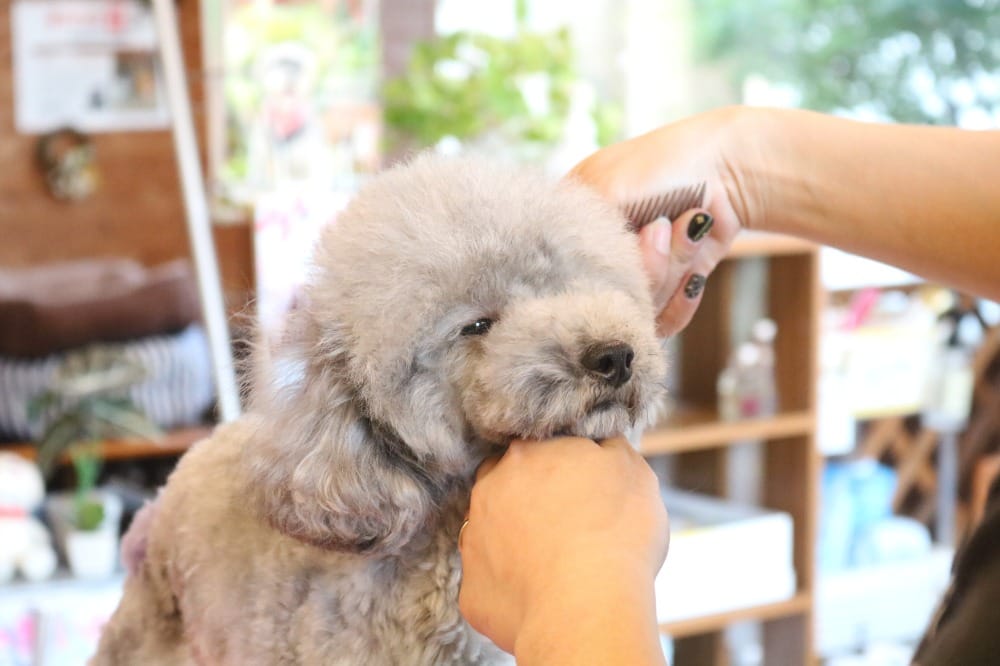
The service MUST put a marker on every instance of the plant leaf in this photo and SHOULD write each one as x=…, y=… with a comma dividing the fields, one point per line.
x=40, y=404
x=57, y=438
x=125, y=420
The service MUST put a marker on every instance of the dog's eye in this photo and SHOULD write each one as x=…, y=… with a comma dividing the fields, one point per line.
x=478, y=327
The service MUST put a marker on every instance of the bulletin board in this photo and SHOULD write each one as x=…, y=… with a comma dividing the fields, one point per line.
x=87, y=64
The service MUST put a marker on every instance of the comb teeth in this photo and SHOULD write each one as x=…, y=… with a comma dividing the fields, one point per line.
x=669, y=204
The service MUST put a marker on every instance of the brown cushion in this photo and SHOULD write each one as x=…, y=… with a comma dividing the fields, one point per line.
x=51, y=308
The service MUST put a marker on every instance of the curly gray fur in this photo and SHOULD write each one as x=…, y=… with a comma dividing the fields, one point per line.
x=321, y=527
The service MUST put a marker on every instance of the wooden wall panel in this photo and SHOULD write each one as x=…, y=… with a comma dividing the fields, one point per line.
x=137, y=210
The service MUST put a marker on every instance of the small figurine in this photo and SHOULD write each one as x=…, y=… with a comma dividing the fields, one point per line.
x=25, y=546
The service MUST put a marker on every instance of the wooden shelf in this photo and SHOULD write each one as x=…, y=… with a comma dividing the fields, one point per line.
x=173, y=443
x=787, y=473
x=692, y=428
x=799, y=604
x=764, y=244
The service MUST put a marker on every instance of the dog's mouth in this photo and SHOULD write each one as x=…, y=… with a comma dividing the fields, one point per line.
x=607, y=414
x=605, y=418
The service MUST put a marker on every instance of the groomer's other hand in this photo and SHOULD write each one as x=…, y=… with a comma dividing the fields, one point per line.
x=563, y=541
x=689, y=152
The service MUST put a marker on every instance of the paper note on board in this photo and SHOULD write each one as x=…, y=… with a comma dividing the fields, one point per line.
x=87, y=64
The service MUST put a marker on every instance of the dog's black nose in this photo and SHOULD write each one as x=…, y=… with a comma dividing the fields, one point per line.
x=610, y=361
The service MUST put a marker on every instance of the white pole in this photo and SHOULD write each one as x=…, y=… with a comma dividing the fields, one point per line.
x=196, y=207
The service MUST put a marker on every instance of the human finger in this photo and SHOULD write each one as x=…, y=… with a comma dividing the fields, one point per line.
x=689, y=286
x=680, y=309
x=687, y=232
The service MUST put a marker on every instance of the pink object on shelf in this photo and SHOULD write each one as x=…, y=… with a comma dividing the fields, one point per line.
x=861, y=306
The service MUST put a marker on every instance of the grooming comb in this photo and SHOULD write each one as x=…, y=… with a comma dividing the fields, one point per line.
x=669, y=204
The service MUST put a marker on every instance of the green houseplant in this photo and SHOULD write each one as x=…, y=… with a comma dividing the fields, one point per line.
x=87, y=403
x=517, y=92
x=466, y=84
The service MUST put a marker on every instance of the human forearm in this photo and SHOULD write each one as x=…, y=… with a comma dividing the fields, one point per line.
x=923, y=198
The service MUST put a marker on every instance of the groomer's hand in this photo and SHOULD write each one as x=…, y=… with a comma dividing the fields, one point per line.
x=562, y=544
x=678, y=257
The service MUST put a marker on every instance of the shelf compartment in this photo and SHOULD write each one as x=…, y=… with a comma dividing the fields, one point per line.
x=799, y=604
x=693, y=428
x=174, y=442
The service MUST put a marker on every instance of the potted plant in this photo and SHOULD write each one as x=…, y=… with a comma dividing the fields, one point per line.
x=87, y=404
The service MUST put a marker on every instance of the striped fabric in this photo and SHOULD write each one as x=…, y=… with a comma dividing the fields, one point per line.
x=177, y=390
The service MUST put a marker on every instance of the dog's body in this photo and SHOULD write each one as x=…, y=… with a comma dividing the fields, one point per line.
x=455, y=306
x=219, y=586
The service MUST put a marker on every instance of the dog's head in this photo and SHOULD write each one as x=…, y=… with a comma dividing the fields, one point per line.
x=454, y=306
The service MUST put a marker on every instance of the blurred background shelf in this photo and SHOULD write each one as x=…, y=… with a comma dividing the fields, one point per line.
x=796, y=605
x=174, y=442
x=694, y=427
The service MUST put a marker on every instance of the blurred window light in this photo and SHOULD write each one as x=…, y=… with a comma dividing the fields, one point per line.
x=929, y=62
x=497, y=18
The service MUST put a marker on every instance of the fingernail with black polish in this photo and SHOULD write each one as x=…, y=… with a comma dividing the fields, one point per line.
x=699, y=226
x=694, y=286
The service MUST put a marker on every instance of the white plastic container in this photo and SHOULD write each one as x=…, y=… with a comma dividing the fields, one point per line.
x=92, y=555
x=723, y=556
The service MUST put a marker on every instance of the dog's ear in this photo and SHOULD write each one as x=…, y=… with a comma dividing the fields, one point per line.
x=321, y=470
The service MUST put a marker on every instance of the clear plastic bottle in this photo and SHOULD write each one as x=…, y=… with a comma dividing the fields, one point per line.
x=762, y=334
x=727, y=390
x=746, y=387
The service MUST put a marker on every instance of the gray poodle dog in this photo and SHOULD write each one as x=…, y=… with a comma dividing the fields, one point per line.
x=456, y=305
